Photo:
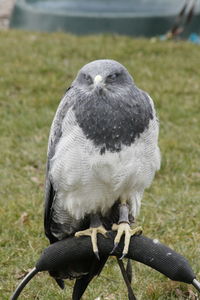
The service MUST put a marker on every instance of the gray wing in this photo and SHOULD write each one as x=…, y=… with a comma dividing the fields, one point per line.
x=54, y=137
x=56, y=127
x=50, y=194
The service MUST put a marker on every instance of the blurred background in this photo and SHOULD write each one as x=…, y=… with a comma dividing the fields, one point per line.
x=43, y=44
x=131, y=17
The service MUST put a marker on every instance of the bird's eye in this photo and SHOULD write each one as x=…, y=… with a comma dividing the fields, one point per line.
x=88, y=78
x=112, y=77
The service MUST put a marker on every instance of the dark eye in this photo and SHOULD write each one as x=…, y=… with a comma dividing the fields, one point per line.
x=88, y=78
x=112, y=77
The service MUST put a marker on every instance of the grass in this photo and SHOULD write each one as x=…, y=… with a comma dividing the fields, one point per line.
x=35, y=70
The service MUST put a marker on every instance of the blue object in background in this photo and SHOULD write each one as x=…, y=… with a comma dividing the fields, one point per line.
x=130, y=17
x=194, y=38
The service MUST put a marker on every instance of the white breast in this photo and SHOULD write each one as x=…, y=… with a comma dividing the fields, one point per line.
x=88, y=182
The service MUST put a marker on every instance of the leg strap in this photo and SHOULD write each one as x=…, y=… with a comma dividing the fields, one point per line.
x=131, y=295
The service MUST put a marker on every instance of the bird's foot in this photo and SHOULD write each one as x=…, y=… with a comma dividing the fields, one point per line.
x=124, y=228
x=92, y=232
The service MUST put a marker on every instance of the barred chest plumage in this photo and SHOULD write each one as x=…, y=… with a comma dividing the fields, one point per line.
x=83, y=174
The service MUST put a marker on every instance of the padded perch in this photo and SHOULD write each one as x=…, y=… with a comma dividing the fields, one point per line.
x=142, y=249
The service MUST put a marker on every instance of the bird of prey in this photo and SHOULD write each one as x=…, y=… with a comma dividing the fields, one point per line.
x=102, y=154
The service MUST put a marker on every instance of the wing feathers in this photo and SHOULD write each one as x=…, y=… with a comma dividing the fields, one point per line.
x=55, y=134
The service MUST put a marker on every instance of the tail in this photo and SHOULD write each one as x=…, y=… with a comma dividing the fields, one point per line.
x=82, y=283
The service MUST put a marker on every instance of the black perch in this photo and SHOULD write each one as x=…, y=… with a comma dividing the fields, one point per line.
x=148, y=251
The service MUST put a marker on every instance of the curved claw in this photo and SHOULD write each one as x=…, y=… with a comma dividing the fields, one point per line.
x=124, y=228
x=114, y=248
x=97, y=254
x=123, y=255
x=92, y=232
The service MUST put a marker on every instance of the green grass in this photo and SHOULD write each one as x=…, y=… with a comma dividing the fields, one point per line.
x=35, y=70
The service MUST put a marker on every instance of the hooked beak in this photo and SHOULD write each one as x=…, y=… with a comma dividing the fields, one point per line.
x=98, y=83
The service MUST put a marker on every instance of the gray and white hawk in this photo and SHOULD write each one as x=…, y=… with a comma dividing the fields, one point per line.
x=102, y=154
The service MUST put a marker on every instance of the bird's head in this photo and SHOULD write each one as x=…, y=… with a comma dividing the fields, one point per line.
x=103, y=76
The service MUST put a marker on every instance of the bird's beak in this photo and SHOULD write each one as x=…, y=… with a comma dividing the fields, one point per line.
x=98, y=79
x=98, y=83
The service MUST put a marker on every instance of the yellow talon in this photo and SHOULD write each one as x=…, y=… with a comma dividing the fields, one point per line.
x=92, y=232
x=124, y=228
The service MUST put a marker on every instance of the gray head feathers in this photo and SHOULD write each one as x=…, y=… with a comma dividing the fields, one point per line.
x=109, y=107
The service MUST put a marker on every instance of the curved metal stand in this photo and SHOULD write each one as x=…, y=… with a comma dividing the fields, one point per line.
x=23, y=283
x=196, y=284
x=73, y=251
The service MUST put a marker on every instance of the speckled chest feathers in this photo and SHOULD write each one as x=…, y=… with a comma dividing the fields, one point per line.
x=103, y=147
x=112, y=120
